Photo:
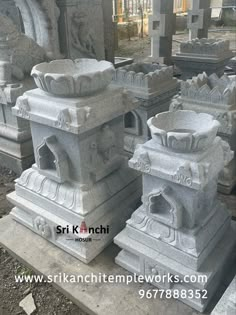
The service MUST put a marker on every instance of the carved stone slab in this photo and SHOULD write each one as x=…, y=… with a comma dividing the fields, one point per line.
x=198, y=55
x=81, y=26
x=216, y=96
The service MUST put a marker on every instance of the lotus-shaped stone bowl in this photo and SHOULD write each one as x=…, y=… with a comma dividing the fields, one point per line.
x=183, y=131
x=68, y=78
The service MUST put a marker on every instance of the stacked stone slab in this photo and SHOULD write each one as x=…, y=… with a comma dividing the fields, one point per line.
x=227, y=304
x=81, y=174
x=199, y=19
x=18, y=54
x=161, y=29
x=198, y=55
x=154, y=86
x=215, y=96
x=181, y=228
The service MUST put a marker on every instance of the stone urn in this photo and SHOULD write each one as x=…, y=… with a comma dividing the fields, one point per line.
x=68, y=78
x=183, y=131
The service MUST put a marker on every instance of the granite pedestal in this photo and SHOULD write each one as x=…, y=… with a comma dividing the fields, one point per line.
x=181, y=228
x=81, y=173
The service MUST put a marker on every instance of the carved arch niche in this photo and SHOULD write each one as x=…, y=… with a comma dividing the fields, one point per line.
x=40, y=19
x=52, y=160
x=132, y=123
x=163, y=207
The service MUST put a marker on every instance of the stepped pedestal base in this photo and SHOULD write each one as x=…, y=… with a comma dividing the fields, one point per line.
x=14, y=163
x=141, y=259
x=40, y=214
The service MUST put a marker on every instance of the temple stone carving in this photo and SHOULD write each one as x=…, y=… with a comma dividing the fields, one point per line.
x=84, y=28
x=215, y=96
x=198, y=55
x=18, y=54
x=153, y=86
x=227, y=303
x=161, y=29
x=199, y=19
x=40, y=20
x=181, y=228
x=81, y=173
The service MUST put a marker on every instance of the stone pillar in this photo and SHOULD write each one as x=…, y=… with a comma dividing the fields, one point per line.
x=109, y=28
x=84, y=30
x=161, y=29
x=81, y=174
x=215, y=96
x=199, y=19
x=153, y=86
x=181, y=229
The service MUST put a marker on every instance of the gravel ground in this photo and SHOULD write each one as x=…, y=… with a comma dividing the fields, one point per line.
x=140, y=49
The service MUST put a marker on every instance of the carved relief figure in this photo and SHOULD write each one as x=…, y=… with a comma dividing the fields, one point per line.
x=23, y=52
x=106, y=143
x=82, y=39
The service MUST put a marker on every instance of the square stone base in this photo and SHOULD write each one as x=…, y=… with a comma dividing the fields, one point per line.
x=46, y=259
x=141, y=259
x=17, y=165
x=226, y=189
x=192, y=67
x=82, y=246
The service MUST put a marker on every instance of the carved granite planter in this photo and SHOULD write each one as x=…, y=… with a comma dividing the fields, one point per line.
x=153, y=86
x=215, y=96
x=80, y=174
x=198, y=55
x=73, y=78
x=181, y=228
x=183, y=133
